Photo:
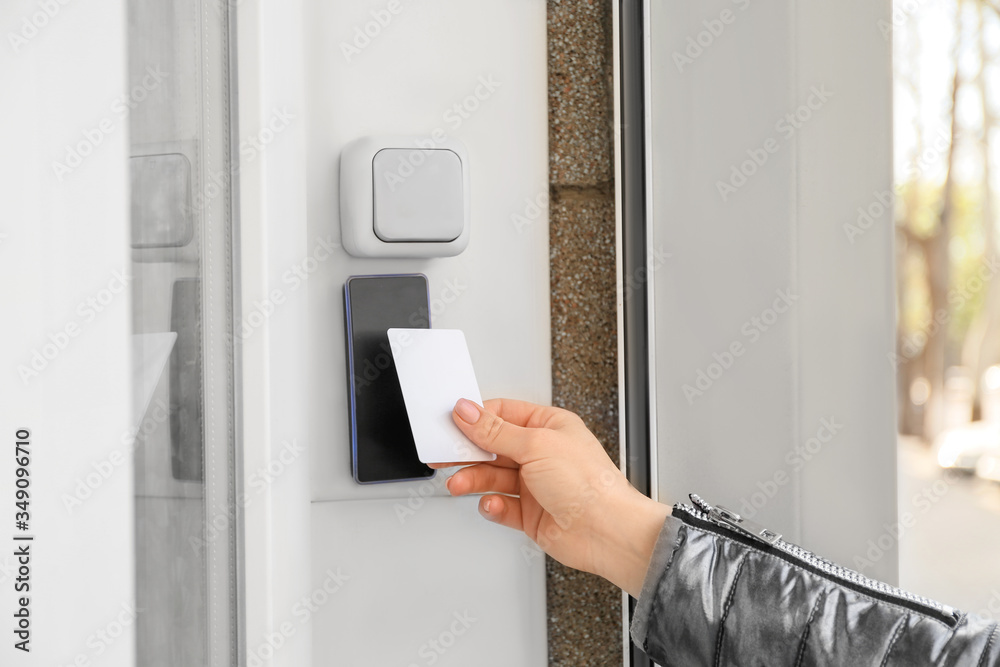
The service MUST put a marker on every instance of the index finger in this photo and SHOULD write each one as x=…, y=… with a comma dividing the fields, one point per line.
x=523, y=413
x=517, y=413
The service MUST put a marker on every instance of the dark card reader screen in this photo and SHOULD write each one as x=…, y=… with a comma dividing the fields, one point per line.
x=381, y=442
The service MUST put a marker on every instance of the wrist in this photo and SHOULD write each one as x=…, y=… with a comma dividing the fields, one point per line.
x=629, y=535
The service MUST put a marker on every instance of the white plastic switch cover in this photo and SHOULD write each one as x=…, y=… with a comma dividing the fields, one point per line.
x=405, y=197
x=435, y=370
x=424, y=206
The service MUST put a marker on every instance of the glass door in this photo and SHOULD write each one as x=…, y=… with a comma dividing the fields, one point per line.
x=178, y=101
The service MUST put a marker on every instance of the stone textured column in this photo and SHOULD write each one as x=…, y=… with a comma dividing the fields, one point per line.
x=584, y=610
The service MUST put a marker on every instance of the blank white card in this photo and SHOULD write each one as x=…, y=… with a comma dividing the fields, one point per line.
x=435, y=370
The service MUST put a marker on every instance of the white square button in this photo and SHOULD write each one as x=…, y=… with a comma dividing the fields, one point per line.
x=418, y=195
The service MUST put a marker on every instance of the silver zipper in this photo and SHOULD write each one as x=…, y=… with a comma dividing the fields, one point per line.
x=727, y=518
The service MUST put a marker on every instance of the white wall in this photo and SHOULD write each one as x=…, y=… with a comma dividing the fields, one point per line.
x=62, y=242
x=388, y=585
x=734, y=253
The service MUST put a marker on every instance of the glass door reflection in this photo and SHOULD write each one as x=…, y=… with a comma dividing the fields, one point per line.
x=181, y=235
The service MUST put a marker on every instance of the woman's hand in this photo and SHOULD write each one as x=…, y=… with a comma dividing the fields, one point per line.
x=558, y=486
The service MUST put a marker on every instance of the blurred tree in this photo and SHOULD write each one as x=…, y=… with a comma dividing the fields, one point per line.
x=948, y=300
x=981, y=348
x=921, y=353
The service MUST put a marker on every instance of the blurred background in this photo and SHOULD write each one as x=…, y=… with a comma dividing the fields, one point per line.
x=947, y=82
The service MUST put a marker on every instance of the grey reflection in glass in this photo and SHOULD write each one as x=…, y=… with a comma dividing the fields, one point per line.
x=161, y=201
x=182, y=343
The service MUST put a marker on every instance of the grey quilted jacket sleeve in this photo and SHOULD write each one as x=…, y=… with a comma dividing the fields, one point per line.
x=722, y=591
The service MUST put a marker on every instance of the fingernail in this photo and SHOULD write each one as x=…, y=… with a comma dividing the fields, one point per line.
x=467, y=410
x=448, y=483
x=486, y=505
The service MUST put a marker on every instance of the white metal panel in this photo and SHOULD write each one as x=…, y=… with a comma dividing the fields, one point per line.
x=406, y=77
x=63, y=240
x=847, y=287
x=423, y=591
x=768, y=320
x=272, y=159
x=474, y=71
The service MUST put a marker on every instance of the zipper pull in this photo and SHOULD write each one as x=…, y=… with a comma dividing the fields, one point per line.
x=734, y=521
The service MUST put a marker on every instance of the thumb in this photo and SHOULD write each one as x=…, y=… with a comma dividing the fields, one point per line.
x=491, y=432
